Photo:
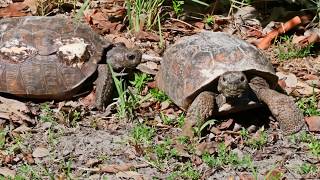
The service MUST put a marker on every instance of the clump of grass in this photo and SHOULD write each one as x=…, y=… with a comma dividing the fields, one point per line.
x=312, y=142
x=142, y=13
x=47, y=114
x=287, y=50
x=307, y=168
x=185, y=171
x=177, y=6
x=209, y=20
x=140, y=80
x=159, y=95
x=126, y=101
x=3, y=134
x=27, y=172
x=143, y=134
x=254, y=142
x=224, y=157
x=309, y=106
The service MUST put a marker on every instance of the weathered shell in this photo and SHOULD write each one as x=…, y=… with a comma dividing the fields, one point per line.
x=33, y=68
x=194, y=63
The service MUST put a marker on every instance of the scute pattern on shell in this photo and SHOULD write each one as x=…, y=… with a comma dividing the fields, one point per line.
x=196, y=61
x=38, y=71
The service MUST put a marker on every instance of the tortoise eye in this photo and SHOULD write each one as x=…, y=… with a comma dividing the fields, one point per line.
x=131, y=57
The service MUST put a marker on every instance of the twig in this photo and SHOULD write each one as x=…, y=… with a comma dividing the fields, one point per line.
x=266, y=41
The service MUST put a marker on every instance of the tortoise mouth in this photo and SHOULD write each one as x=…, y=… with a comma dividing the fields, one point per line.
x=234, y=93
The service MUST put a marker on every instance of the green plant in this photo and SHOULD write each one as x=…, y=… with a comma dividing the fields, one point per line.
x=165, y=119
x=288, y=50
x=209, y=20
x=15, y=146
x=3, y=134
x=255, y=142
x=143, y=134
x=224, y=157
x=127, y=101
x=25, y=171
x=164, y=150
x=158, y=95
x=140, y=80
x=258, y=143
x=47, y=114
x=52, y=136
x=80, y=12
x=314, y=147
x=177, y=7
x=312, y=142
x=200, y=127
x=142, y=13
x=183, y=139
x=309, y=106
x=307, y=168
x=180, y=120
x=185, y=171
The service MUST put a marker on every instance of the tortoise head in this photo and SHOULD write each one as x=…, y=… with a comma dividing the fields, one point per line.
x=233, y=84
x=120, y=57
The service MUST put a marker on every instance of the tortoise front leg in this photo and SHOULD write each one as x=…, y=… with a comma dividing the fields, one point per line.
x=282, y=107
x=104, y=86
x=200, y=110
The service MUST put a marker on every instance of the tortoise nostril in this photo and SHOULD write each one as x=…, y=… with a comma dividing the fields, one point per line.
x=242, y=79
x=131, y=57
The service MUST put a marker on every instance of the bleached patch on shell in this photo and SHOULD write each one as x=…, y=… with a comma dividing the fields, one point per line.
x=3, y=28
x=16, y=51
x=73, y=51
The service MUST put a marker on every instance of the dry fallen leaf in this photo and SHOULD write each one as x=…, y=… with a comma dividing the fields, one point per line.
x=40, y=152
x=13, y=10
x=32, y=4
x=246, y=176
x=6, y=172
x=147, y=36
x=14, y=110
x=115, y=168
x=313, y=123
x=305, y=90
x=288, y=81
x=274, y=174
x=89, y=100
x=226, y=124
x=130, y=175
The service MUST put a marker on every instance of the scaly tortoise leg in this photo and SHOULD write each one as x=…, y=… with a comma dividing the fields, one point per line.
x=200, y=110
x=104, y=86
x=282, y=107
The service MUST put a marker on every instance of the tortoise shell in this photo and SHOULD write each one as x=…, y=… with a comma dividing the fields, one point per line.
x=30, y=61
x=194, y=63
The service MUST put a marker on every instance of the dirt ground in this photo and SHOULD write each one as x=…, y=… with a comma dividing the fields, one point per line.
x=141, y=137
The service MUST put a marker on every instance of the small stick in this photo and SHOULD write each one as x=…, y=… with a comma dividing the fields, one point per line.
x=266, y=41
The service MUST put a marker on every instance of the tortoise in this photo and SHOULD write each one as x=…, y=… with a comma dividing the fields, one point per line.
x=54, y=58
x=213, y=73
